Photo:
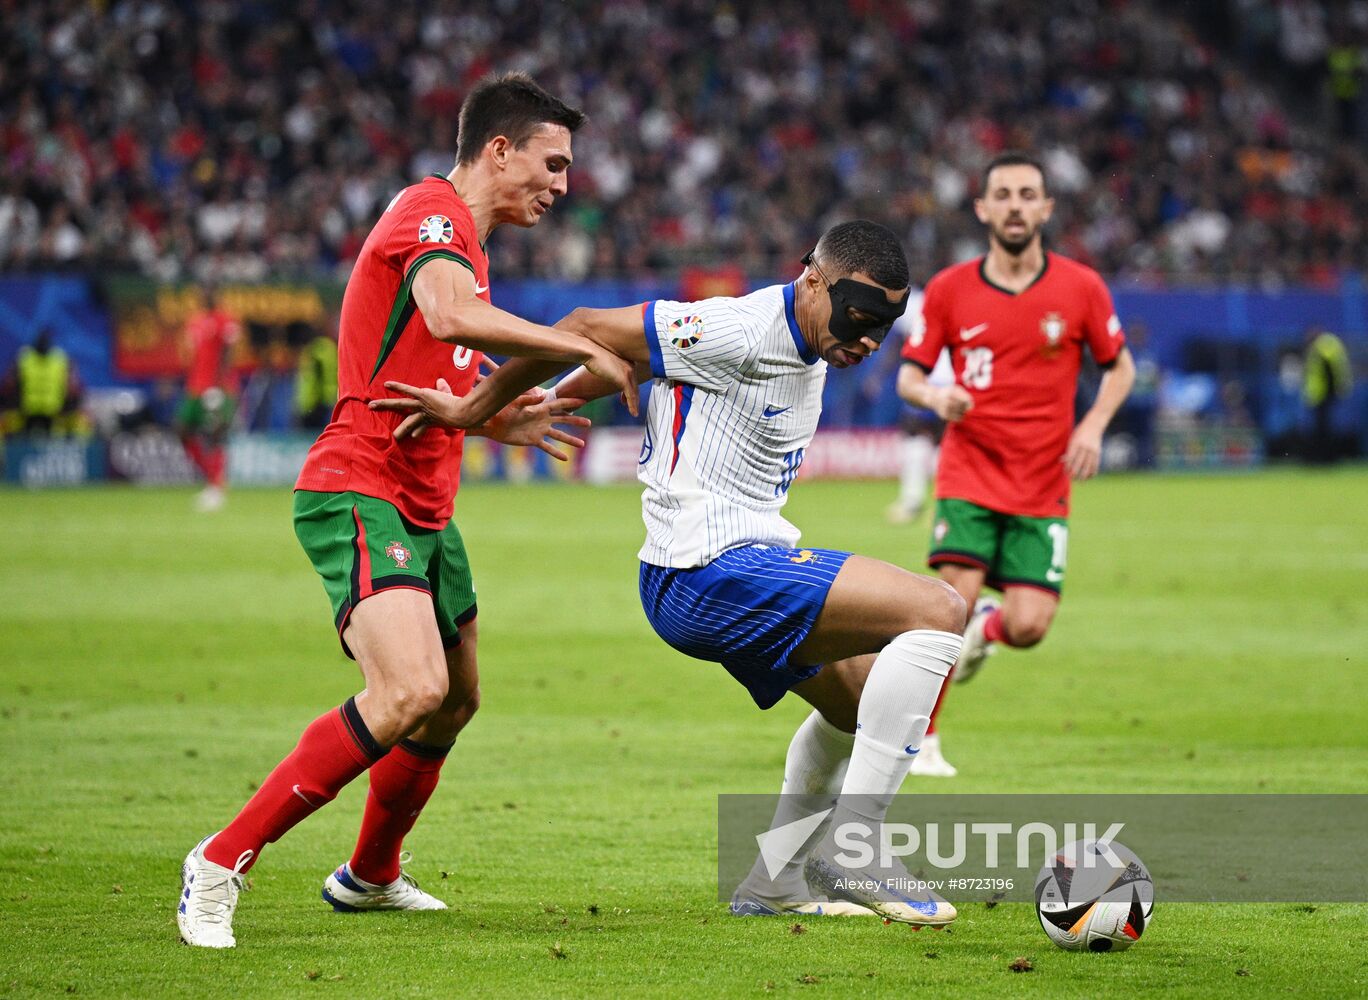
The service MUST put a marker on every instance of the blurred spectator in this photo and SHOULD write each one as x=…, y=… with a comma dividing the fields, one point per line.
x=203, y=140
x=44, y=389
x=316, y=380
x=1328, y=380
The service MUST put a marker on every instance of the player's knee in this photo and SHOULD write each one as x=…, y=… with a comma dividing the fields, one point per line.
x=1025, y=631
x=942, y=608
x=458, y=716
x=472, y=705
x=414, y=702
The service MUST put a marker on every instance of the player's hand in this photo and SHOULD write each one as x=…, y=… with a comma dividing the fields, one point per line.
x=531, y=419
x=1084, y=453
x=952, y=402
x=424, y=408
x=622, y=373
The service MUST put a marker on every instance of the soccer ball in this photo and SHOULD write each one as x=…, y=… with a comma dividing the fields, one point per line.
x=1092, y=896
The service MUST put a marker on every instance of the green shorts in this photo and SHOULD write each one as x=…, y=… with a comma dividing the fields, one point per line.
x=209, y=413
x=361, y=545
x=1012, y=550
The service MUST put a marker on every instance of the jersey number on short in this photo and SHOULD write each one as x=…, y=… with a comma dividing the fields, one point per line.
x=1059, y=539
x=792, y=461
x=978, y=367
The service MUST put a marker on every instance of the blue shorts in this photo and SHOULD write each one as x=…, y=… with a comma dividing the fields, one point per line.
x=748, y=610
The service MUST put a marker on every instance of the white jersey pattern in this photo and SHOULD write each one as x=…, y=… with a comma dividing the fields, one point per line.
x=735, y=404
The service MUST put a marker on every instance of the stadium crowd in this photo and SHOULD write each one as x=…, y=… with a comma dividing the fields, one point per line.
x=245, y=140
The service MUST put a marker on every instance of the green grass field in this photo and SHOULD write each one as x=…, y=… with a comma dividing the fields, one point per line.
x=154, y=663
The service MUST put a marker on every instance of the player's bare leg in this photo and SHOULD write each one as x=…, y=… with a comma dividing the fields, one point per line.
x=1027, y=613
x=400, y=786
x=912, y=624
x=394, y=637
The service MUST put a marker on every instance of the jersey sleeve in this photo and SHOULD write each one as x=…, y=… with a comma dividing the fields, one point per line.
x=704, y=344
x=1101, y=327
x=426, y=228
x=926, y=335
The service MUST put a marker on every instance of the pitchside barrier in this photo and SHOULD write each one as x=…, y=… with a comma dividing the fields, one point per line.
x=1219, y=381
x=154, y=457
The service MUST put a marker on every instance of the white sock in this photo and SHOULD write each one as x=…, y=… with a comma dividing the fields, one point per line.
x=895, y=710
x=918, y=454
x=814, y=772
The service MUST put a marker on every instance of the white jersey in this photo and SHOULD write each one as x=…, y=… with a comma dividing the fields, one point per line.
x=735, y=404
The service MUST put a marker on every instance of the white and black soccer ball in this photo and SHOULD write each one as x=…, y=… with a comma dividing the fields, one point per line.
x=1094, y=897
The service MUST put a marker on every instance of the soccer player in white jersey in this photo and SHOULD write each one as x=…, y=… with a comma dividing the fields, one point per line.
x=867, y=644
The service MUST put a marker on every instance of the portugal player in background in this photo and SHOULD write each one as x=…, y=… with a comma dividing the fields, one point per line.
x=374, y=512
x=211, y=386
x=1015, y=322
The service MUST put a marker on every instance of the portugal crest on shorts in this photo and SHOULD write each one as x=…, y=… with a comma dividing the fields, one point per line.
x=400, y=553
x=435, y=229
x=686, y=331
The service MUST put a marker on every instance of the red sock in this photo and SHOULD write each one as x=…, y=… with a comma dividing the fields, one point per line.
x=935, y=709
x=992, y=627
x=400, y=786
x=195, y=450
x=215, y=460
x=334, y=749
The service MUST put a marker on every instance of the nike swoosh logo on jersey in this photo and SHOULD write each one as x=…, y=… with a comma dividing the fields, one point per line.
x=774, y=411
x=480, y=289
x=969, y=333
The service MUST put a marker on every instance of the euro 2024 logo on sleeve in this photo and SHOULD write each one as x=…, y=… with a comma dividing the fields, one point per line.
x=435, y=229
x=686, y=331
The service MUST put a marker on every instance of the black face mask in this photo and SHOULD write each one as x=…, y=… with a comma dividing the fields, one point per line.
x=848, y=294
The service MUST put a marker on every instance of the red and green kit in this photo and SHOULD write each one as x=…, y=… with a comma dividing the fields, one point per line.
x=383, y=337
x=1018, y=355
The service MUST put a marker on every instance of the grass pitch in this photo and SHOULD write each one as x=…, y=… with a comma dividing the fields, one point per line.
x=154, y=663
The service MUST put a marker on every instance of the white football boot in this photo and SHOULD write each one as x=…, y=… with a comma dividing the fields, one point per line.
x=348, y=894
x=755, y=900
x=209, y=895
x=210, y=499
x=976, y=648
x=893, y=895
x=930, y=762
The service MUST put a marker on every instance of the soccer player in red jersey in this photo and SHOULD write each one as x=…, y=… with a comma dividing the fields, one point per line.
x=373, y=511
x=1015, y=322
x=206, y=412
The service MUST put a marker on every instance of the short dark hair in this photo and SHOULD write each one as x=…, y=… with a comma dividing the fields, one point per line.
x=511, y=105
x=866, y=247
x=1014, y=158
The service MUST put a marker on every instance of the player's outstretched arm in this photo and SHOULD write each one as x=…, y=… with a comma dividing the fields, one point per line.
x=444, y=292
x=617, y=339
x=949, y=402
x=1084, y=453
x=453, y=313
x=620, y=331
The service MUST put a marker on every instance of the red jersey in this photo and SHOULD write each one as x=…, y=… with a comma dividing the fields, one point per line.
x=1018, y=355
x=382, y=337
x=211, y=333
